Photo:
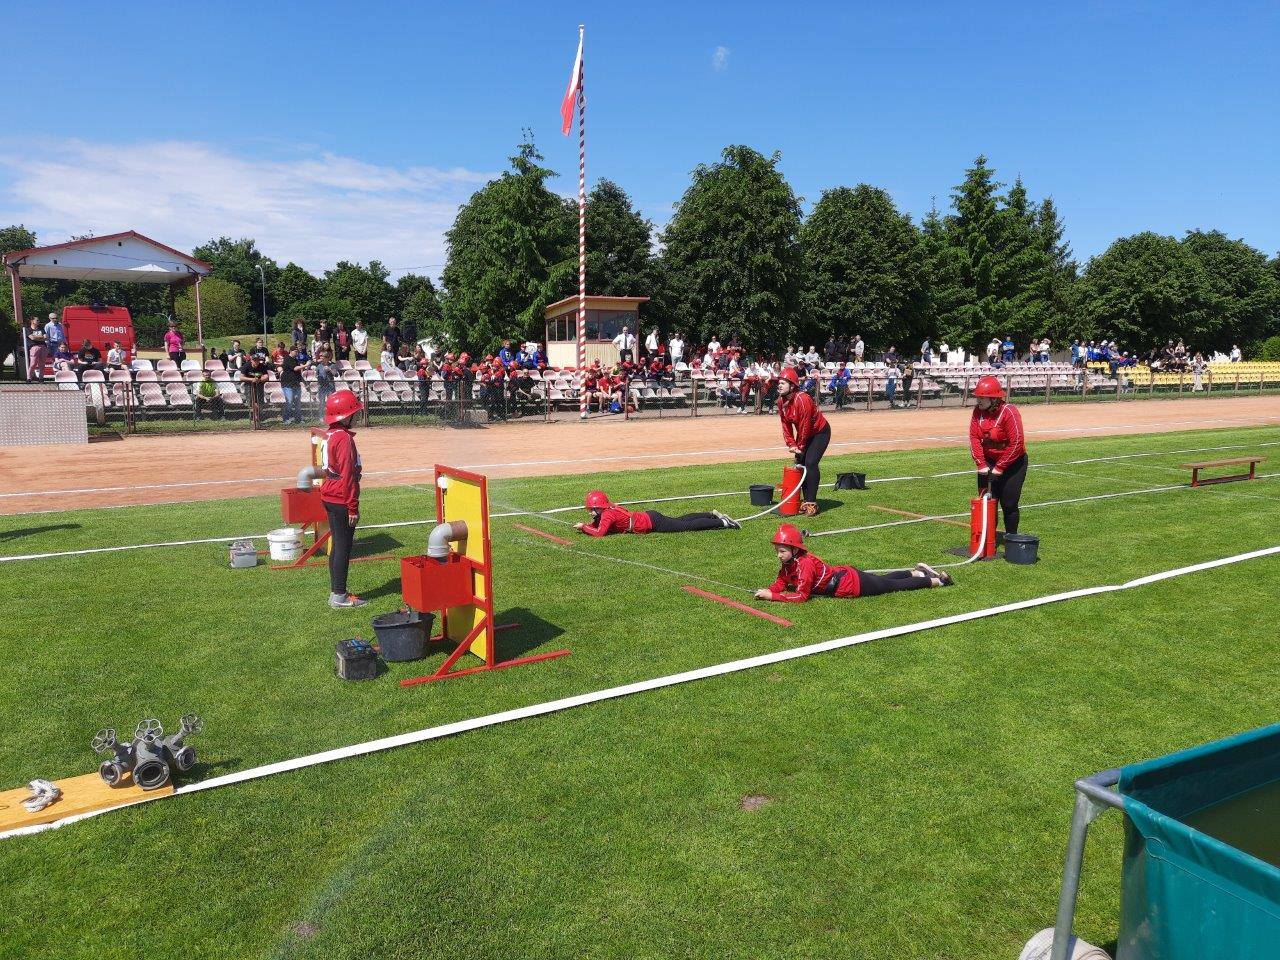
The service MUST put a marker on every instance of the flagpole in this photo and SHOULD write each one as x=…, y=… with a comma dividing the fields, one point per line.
x=582, y=232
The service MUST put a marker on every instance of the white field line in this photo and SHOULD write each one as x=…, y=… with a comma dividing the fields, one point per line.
x=693, y=496
x=658, y=683
x=614, y=458
x=636, y=563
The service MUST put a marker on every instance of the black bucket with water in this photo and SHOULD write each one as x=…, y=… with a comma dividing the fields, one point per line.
x=761, y=494
x=1021, y=548
x=402, y=634
x=851, y=481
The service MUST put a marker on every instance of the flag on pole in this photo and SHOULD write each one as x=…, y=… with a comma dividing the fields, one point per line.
x=571, y=95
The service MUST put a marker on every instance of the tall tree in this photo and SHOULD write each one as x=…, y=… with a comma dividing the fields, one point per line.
x=864, y=268
x=511, y=253
x=1244, y=295
x=237, y=261
x=619, y=251
x=36, y=295
x=945, y=265
x=418, y=304
x=977, y=229
x=731, y=257
x=1143, y=290
x=293, y=286
x=222, y=308
x=367, y=290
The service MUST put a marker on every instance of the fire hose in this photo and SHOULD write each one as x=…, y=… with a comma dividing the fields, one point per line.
x=804, y=472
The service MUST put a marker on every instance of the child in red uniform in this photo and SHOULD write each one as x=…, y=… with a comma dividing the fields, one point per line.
x=803, y=575
x=999, y=448
x=340, y=492
x=806, y=433
x=607, y=518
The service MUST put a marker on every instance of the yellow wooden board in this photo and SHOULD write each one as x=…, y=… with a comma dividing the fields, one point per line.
x=83, y=794
x=465, y=500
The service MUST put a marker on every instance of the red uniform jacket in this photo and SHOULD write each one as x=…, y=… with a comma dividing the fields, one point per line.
x=617, y=520
x=806, y=575
x=801, y=418
x=341, y=464
x=995, y=437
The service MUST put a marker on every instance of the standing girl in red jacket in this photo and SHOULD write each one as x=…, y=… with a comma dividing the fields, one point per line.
x=999, y=448
x=806, y=433
x=340, y=492
x=803, y=575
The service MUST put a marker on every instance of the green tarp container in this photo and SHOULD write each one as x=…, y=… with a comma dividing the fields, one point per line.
x=1187, y=895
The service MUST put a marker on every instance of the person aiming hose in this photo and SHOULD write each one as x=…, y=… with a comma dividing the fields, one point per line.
x=806, y=433
x=804, y=575
x=608, y=517
x=340, y=492
x=999, y=448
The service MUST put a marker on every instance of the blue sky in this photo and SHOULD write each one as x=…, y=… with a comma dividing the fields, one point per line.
x=330, y=130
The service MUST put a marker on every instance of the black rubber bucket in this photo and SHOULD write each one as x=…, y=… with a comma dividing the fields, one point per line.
x=1021, y=548
x=851, y=481
x=402, y=635
x=761, y=494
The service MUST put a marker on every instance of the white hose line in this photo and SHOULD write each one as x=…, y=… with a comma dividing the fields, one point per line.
x=641, y=686
x=804, y=472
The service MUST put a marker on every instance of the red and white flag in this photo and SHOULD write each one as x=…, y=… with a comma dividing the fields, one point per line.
x=571, y=95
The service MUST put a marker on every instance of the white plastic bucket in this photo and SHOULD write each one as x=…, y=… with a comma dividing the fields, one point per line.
x=285, y=544
x=1038, y=948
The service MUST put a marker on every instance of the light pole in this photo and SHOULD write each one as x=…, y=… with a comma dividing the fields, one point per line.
x=265, y=335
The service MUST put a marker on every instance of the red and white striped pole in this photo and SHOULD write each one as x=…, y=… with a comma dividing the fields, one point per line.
x=582, y=232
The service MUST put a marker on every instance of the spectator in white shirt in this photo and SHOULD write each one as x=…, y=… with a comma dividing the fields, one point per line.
x=626, y=344
x=676, y=346
x=790, y=357
x=388, y=359
x=1236, y=355
x=651, y=342
x=360, y=341
x=714, y=346
x=115, y=356
x=859, y=348
x=993, y=350
x=812, y=356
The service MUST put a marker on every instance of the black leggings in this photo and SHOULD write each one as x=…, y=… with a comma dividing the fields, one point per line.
x=1007, y=488
x=340, y=556
x=874, y=584
x=690, y=521
x=811, y=458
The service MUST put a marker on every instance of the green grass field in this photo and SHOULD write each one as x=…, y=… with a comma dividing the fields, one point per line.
x=914, y=793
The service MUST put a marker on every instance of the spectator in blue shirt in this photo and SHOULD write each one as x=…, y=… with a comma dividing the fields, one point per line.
x=506, y=354
x=1008, y=350
x=839, y=387
x=53, y=333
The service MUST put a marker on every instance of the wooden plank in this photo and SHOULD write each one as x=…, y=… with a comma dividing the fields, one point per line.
x=82, y=794
x=738, y=606
x=1230, y=462
x=921, y=516
x=543, y=534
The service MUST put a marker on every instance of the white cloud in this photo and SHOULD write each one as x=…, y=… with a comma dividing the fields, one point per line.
x=720, y=59
x=314, y=208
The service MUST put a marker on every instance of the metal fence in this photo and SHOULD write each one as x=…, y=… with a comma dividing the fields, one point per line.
x=145, y=402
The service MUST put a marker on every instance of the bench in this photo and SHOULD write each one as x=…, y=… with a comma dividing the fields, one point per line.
x=1195, y=469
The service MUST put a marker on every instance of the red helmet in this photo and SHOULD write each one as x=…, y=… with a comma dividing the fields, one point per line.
x=341, y=405
x=597, y=500
x=791, y=376
x=789, y=535
x=988, y=387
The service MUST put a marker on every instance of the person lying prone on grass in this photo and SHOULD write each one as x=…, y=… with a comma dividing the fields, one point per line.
x=804, y=575
x=607, y=517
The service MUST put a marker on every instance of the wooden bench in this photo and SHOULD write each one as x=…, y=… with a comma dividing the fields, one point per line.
x=1195, y=469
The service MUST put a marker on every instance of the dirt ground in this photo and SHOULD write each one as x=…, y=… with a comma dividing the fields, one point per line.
x=167, y=469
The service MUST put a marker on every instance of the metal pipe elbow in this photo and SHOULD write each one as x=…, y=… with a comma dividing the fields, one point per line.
x=442, y=534
x=308, y=474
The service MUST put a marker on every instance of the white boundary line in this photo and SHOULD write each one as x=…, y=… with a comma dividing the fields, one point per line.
x=612, y=693
x=614, y=458
x=691, y=496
